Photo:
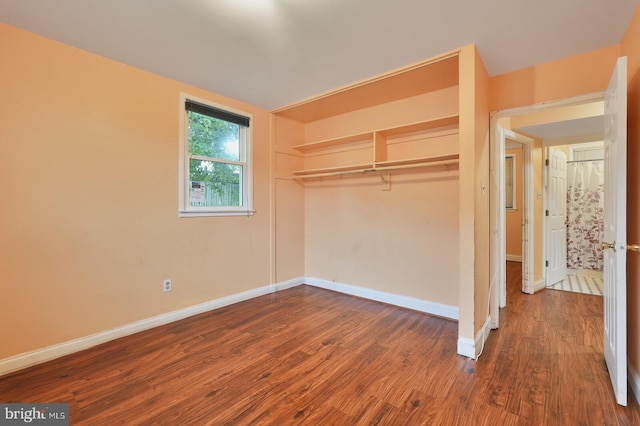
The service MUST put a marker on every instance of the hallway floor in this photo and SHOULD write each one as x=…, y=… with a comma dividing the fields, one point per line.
x=581, y=284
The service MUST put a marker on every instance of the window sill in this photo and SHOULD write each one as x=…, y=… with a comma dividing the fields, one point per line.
x=511, y=210
x=184, y=213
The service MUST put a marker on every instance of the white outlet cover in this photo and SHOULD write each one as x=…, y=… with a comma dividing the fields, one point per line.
x=166, y=285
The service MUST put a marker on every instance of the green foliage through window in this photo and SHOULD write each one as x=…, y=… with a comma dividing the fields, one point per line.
x=214, y=157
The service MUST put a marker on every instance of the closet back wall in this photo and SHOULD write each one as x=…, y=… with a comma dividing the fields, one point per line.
x=402, y=241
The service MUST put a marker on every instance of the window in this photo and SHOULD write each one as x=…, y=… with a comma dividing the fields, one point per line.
x=586, y=151
x=510, y=182
x=215, y=163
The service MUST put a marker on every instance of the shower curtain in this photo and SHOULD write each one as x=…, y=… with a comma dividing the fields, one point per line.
x=585, y=214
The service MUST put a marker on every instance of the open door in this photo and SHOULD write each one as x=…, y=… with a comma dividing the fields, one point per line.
x=556, y=213
x=615, y=230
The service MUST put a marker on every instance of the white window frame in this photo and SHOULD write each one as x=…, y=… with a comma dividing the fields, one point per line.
x=576, y=149
x=246, y=160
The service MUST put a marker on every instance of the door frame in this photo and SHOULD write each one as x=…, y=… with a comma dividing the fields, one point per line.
x=497, y=197
x=499, y=253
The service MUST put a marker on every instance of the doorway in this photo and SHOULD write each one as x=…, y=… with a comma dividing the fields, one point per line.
x=613, y=131
x=519, y=223
x=568, y=121
x=575, y=257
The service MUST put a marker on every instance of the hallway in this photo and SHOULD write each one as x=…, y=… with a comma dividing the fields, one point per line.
x=551, y=343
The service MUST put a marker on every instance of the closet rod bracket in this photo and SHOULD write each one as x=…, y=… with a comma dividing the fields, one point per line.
x=385, y=176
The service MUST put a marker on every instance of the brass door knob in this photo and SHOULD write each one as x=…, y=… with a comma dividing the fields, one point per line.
x=606, y=245
x=633, y=247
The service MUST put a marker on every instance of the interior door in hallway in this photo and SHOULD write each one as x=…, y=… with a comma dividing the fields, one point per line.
x=615, y=230
x=556, y=212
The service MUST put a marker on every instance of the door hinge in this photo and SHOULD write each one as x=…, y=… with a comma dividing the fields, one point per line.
x=546, y=212
x=546, y=263
x=546, y=162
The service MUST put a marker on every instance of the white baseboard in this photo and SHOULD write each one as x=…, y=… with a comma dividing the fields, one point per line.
x=433, y=308
x=514, y=258
x=38, y=356
x=473, y=348
x=466, y=347
x=289, y=284
x=49, y=353
x=539, y=285
x=634, y=380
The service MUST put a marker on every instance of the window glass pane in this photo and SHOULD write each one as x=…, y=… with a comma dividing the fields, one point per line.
x=212, y=137
x=214, y=184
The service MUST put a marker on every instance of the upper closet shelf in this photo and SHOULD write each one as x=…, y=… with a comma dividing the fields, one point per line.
x=392, y=131
x=328, y=143
x=435, y=123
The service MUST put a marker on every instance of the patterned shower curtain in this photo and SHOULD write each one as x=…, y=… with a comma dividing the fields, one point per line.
x=585, y=214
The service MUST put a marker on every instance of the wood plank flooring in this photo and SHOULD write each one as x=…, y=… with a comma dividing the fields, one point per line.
x=311, y=356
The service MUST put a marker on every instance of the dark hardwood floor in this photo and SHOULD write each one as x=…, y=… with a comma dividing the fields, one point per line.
x=312, y=356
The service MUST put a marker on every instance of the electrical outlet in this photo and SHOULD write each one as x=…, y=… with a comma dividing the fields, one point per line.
x=166, y=285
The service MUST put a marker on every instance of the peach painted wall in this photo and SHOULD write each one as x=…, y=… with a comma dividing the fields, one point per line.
x=288, y=200
x=474, y=194
x=560, y=79
x=482, y=188
x=390, y=241
x=514, y=217
x=89, y=184
x=631, y=48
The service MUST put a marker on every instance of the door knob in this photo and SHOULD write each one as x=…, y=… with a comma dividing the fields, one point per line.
x=633, y=247
x=606, y=245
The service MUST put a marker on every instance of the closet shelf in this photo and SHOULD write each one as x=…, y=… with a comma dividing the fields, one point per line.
x=377, y=167
x=368, y=136
x=435, y=123
x=328, y=143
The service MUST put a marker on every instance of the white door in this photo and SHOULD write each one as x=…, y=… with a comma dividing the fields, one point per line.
x=615, y=229
x=557, y=215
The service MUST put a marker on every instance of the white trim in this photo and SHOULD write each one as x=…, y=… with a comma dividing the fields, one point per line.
x=634, y=380
x=483, y=335
x=514, y=258
x=497, y=170
x=546, y=105
x=426, y=306
x=289, y=284
x=539, y=285
x=49, y=353
x=183, y=213
x=466, y=347
x=586, y=146
x=498, y=298
x=474, y=348
x=246, y=160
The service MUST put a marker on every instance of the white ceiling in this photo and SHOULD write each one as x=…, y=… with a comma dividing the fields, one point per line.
x=588, y=128
x=270, y=53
